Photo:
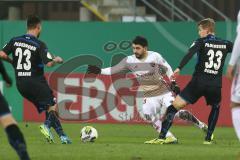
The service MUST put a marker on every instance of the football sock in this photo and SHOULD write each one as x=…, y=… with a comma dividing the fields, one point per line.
x=53, y=121
x=47, y=122
x=236, y=120
x=16, y=139
x=212, y=121
x=166, y=124
x=169, y=134
x=187, y=116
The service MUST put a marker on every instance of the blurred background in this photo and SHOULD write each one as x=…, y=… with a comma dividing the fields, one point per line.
x=121, y=10
x=105, y=28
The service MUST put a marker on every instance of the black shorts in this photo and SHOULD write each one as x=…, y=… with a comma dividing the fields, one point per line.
x=37, y=91
x=194, y=90
x=4, y=109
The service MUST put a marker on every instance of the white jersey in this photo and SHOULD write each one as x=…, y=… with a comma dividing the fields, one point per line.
x=235, y=57
x=235, y=61
x=238, y=19
x=149, y=72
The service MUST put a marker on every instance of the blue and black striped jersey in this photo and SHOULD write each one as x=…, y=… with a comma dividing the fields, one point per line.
x=211, y=54
x=29, y=55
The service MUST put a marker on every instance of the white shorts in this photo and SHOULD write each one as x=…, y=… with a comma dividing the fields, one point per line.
x=235, y=90
x=157, y=106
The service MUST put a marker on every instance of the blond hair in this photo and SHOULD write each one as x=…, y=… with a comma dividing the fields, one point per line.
x=207, y=23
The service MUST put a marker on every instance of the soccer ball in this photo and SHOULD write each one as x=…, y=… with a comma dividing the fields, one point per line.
x=88, y=134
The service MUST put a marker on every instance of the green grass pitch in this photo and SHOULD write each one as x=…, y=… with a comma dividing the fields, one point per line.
x=125, y=142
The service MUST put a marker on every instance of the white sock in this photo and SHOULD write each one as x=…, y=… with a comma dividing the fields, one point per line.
x=236, y=120
x=169, y=134
x=201, y=125
x=157, y=125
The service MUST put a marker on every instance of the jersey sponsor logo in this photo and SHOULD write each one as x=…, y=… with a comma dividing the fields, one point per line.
x=24, y=45
x=219, y=46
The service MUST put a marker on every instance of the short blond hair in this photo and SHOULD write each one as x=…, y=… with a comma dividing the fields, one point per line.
x=207, y=23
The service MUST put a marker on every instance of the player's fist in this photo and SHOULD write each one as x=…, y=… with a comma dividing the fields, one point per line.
x=93, y=69
x=58, y=59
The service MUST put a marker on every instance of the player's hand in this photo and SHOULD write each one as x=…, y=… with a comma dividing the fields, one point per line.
x=93, y=69
x=174, y=87
x=58, y=59
x=230, y=72
x=175, y=74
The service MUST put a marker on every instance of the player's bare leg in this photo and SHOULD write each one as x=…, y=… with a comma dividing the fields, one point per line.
x=7, y=120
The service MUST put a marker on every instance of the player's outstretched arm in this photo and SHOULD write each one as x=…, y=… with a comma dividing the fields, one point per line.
x=55, y=60
x=107, y=71
x=192, y=50
x=5, y=57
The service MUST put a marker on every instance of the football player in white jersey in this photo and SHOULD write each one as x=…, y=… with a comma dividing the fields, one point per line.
x=233, y=73
x=153, y=74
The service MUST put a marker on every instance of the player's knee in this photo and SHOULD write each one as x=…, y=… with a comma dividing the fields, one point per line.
x=179, y=103
x=7, y=120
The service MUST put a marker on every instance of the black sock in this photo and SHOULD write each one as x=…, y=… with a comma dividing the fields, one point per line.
x=54, y=122
x=166, y=124
x=48, y=122
x=187, y=116
x=16, y=139
x=212, y=121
